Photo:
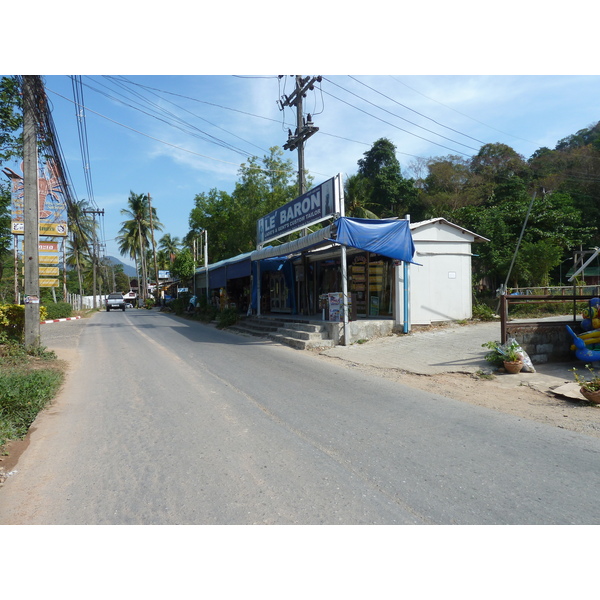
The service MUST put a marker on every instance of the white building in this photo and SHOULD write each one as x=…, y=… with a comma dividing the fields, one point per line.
x=441, y=289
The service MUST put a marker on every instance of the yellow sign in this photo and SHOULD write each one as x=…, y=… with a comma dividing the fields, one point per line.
x=48, y=259
x=49, y=271
x=53, y=229
x=49, y=229
x=48, y=282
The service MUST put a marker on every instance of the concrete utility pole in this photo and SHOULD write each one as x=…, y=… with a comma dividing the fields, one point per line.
x=31, y=214
x=303, y=129
x=156, y=294
x=95, y=254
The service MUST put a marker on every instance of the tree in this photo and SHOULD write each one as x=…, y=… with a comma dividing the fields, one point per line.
x=390, y=194
x=138, y=211
x=230, y=219
x=11, y=118
x=82, y=229
x=183, y=265
x=554, y=227
x=498, y=172
x=357, y=197
x=446, y=187
x=169, y=246
x=5, y=237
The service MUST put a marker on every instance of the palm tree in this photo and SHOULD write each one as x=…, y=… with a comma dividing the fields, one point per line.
x=128, y=241
x=139, y=220
x=163, y=260
x=82, y=230
x=170, y=246
x=356, y=198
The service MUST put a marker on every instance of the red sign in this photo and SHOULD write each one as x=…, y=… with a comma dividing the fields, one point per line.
x=48, y=246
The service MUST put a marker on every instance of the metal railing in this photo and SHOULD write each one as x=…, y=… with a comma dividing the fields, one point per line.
x=509, y=299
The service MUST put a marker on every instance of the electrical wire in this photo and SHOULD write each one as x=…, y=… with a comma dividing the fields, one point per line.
x=198, y=117
x=399, y=117
x=395, y=126
x=173, y=120
x=83, y=137
x=416, y=111
x=461, y=113
x=163, y=141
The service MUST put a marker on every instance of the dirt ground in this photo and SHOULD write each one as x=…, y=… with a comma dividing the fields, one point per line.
x=524, y=402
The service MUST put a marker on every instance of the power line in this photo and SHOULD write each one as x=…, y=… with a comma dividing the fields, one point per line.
x=83, y=138
x=399, y=117
x=416, y=111
x=182, y=126
x=461, y=113
x=395, y=126
x=198, y=117
x=162, y=141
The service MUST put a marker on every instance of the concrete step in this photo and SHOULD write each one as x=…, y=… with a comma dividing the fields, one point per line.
x=301, y=334
x=258, y=326
x=300, y=344
x=296, y=334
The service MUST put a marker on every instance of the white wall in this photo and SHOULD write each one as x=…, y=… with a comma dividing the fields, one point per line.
x=440, y=289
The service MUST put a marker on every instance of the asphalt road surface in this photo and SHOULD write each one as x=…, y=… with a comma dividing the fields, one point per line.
x=169, y=421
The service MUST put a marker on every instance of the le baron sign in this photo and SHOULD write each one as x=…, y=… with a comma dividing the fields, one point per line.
x=316, y=205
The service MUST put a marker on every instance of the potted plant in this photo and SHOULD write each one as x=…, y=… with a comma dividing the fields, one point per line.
x=513, y=363
x=508, y=355
x=589, y=388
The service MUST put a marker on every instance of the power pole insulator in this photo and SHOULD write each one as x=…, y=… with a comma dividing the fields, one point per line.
x=304, y=130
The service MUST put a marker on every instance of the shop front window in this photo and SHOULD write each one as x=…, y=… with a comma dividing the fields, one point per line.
x=371, y=278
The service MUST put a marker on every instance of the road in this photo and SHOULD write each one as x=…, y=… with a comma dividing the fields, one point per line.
x=169, y=421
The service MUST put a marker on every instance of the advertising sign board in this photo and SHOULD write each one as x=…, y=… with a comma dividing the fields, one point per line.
x=316, y=205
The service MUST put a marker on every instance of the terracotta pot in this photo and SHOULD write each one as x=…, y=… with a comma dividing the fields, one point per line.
x=513, y=367
x=593, y=397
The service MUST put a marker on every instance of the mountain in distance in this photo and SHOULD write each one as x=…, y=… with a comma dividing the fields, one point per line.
x=127, y=269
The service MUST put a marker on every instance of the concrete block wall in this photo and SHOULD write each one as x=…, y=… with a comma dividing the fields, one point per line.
x=548, y=342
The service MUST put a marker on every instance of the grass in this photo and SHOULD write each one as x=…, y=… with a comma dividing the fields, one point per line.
x=28, y=383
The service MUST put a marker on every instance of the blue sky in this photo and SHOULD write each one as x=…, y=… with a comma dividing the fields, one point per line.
x=134, y=146
x=229, y=112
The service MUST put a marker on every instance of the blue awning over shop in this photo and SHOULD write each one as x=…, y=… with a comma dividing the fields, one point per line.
x=231, y=268
x=388, y=237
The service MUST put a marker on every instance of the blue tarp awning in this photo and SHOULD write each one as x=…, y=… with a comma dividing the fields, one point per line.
x=389, y=237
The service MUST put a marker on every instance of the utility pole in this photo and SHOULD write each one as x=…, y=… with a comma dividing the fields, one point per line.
x=304, y=129
x=153, y=251
x=95, y=254
x=31, y=231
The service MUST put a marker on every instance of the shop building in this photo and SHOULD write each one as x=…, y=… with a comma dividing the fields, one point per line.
x=364, y=277
x=440, y=281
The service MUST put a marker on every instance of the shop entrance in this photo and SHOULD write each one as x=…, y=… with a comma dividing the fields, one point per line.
x=279, y=301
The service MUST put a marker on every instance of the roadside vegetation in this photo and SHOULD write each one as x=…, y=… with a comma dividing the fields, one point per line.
x=29, y=380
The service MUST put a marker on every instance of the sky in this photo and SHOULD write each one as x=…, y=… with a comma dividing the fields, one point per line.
x=174, y=137
x=173, y=106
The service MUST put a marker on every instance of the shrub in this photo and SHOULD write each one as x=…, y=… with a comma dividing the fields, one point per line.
x=483, y=311
x=179, y=305
x=12, y=321
x=22, y=395
x=227, y=317
x=206, y=312
x=57, y=310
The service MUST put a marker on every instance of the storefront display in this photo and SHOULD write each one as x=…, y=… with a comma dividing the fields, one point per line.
x=371, y=284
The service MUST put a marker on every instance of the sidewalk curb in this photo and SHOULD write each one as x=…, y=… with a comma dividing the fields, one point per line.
x=59, y=320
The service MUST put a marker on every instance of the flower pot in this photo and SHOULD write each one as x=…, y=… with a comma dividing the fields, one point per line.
x=593, y=397
x=513, y=367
